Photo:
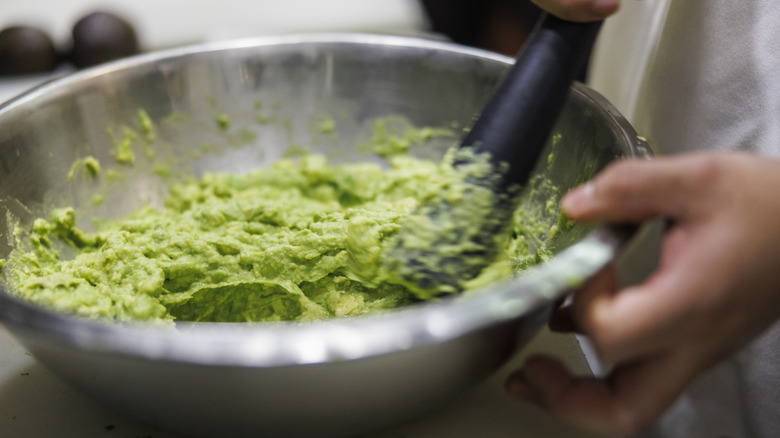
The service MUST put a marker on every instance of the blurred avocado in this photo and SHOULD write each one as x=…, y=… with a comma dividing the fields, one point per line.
x=26, y=50
x=100, y=37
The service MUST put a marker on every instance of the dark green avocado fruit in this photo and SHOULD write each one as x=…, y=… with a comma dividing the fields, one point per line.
x=100, y=37
x=26, y=50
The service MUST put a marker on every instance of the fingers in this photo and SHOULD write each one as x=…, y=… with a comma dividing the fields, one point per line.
x=638, y=328
x=634, y=190
x=579, y=10
x=645, y=319
x=637, y=322
x=630, y=400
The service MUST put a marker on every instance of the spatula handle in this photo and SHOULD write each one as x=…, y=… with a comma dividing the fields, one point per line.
x=516, y=123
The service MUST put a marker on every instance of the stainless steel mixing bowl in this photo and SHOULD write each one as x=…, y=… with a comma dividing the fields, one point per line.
x=326, y=378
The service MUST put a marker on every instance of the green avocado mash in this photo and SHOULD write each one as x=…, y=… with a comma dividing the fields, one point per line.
x=300, y=240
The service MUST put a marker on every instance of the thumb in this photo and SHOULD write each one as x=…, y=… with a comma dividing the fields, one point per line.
x=633, y=190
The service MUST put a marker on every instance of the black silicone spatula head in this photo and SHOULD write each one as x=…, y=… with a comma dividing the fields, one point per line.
x=446, y=243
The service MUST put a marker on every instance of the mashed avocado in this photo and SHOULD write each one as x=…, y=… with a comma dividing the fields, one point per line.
x=301, y=240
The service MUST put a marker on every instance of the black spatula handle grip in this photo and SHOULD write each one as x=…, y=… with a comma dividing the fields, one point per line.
x=516, y=123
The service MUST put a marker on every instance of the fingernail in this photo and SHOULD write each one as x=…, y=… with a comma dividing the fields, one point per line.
x=578, y=198
x=604, y=7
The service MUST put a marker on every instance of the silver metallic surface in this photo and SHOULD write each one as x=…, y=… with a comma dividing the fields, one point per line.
x=327, y=378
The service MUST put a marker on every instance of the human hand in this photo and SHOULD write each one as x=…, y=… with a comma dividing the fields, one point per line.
x=579, y=10
x=716, y=288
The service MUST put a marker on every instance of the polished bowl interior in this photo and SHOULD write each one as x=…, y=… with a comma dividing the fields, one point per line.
x=327, y=378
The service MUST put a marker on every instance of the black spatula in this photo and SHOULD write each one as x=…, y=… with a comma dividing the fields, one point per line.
x=446, y=243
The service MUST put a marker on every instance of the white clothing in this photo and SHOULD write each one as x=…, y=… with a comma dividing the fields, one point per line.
x=695, y=74
x=704, y=74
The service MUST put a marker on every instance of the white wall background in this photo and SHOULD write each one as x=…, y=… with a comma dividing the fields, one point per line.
x=166, y=23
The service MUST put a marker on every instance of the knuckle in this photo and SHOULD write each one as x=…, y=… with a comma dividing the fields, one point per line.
x=704, y=172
